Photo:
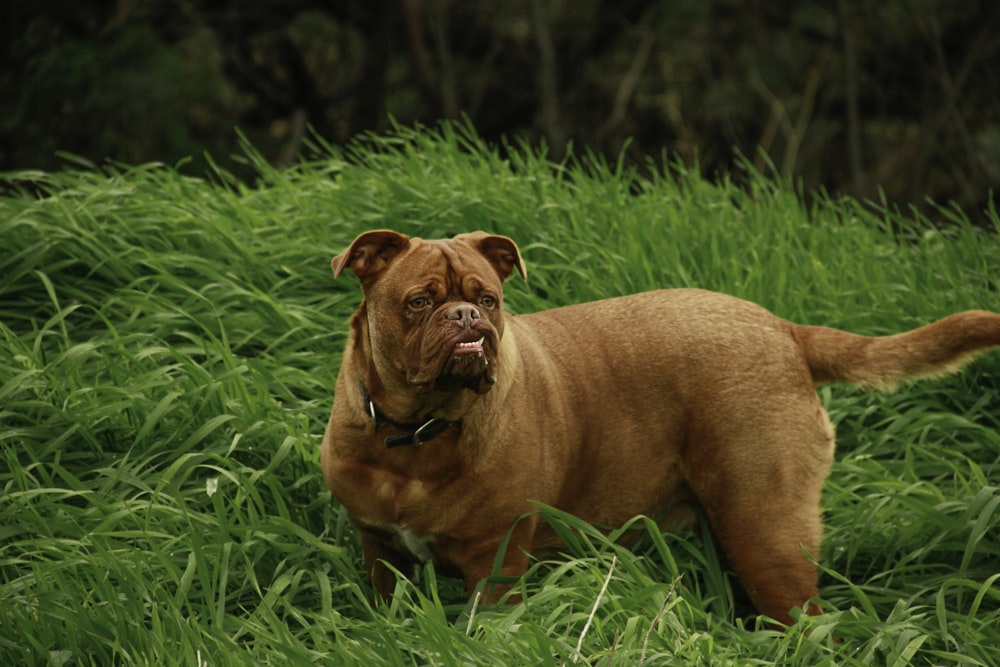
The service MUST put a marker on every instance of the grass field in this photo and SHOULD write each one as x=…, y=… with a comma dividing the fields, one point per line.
x=168, y=354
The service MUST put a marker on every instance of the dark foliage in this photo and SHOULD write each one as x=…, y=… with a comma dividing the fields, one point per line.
x=898, y=99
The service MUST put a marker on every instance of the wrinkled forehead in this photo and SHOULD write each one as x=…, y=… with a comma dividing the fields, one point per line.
x=444, y=267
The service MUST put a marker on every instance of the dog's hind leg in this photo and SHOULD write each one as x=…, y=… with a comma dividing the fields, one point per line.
x=760, y=483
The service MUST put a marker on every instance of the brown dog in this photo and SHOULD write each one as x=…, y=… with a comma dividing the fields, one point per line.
x=450, y=416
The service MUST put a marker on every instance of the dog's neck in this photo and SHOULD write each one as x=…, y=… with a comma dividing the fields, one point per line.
x=415, y=434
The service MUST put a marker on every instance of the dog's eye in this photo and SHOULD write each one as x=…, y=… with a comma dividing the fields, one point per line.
x=419, y=303
x=488, y=301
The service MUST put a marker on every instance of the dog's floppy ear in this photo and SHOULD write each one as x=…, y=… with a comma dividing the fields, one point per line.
x=370, y=253
x=501, y=252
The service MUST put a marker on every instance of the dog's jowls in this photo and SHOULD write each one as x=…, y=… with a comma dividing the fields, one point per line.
x=450, y=416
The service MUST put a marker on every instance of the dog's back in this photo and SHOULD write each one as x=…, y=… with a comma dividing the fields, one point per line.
x=687, y=326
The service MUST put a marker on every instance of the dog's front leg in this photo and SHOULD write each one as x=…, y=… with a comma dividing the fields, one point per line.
x=379, y=556
x=480, y=563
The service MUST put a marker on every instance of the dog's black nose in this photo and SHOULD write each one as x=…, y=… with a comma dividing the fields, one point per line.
x=464, y=313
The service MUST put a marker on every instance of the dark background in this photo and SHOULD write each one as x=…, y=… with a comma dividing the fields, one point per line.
x=896, y=100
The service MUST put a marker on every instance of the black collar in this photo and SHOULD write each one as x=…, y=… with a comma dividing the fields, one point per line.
x=413, y=434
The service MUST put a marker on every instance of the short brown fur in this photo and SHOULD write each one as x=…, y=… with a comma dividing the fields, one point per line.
x=635, y=405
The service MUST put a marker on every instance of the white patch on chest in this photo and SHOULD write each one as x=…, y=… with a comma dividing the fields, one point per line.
x=418, y=546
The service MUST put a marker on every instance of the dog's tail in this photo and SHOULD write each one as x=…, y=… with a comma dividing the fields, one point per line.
x=881, y=362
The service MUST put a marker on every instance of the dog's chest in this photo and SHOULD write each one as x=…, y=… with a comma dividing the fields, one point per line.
x=420, y=514
x=396, y=507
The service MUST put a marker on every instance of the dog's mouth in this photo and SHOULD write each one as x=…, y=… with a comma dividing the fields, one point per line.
x=467, y=366
x=469, y=349
x=461, y=364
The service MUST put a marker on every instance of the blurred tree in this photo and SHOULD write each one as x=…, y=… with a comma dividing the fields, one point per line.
x=899, y=97
x=90, y=79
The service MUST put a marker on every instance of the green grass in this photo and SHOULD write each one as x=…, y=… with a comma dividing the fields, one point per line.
x=169, y=348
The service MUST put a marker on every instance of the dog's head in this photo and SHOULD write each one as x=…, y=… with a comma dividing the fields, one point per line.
x=433, y=309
